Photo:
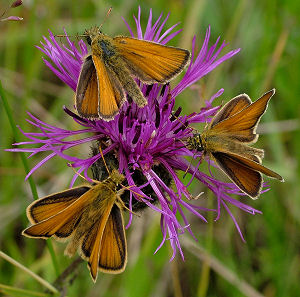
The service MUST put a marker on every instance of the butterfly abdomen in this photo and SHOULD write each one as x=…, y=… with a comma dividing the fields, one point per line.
x=225, y=145
x=126, y=80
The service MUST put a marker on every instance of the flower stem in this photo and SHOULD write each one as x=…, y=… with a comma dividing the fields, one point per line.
x=16, y=135
x=26, y=167
x=31, y=273
x=9, y=290
x=199, y=252
x=53, y=257
x=66, y=276
x=205, y=272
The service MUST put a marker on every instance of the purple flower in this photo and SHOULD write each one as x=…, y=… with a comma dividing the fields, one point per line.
x=148, y=142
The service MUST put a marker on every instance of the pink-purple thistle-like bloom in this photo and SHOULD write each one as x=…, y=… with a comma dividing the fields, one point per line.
x=142, y=138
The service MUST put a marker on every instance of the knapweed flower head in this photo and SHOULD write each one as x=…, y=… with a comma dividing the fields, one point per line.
x=147, y=144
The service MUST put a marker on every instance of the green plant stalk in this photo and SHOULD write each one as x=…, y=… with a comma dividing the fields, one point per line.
x=28, y=271
x=205, y=271
x=16, y=135
x=12, y=291
x=230, y=33
x=26, y=167
x=199, y=252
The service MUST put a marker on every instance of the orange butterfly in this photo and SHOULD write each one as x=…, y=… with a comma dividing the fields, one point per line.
x=226, y=140
x=90, y=217
x=107, y=74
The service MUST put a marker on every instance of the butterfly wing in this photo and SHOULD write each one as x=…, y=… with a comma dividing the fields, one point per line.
x=48, y=206
x=111, y=93
x=99, y=93
x=151, y=62
x=87, y=93
x=242, y=125
x=245, y=173
x=232, y=107
x=62, y=223
x=105, y=244
x=113, y=251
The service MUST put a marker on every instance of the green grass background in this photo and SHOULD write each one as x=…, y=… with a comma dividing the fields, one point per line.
x=220, y=264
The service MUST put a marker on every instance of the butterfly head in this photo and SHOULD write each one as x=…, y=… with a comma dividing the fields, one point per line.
x=195, y=142
x=91, y=34
x=117, y=177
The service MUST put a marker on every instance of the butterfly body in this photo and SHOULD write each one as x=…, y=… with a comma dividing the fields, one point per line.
x=213, y=143
x=90, y=217
x=107, y=75
x=103, y=197
x=227, y=138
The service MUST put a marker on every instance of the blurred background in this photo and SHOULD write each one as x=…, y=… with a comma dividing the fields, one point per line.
x=220, y=263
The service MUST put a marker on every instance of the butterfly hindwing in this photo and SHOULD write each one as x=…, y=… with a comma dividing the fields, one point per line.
x=87, y=92
x=245, y=173
x=248, y=180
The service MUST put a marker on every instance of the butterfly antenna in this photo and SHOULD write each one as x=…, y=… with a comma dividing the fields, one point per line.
x=80, y=175
x=183, y=124
x=106, y=17
x=101, y=153
x=128, y=188
x=170, y=98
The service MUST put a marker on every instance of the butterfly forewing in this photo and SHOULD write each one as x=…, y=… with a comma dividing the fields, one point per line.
x=95, y=248
x=111, y=93
x=113, y=251
x=60, y=224
x=48, y=206
x=242, y=125
x=151, y=62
